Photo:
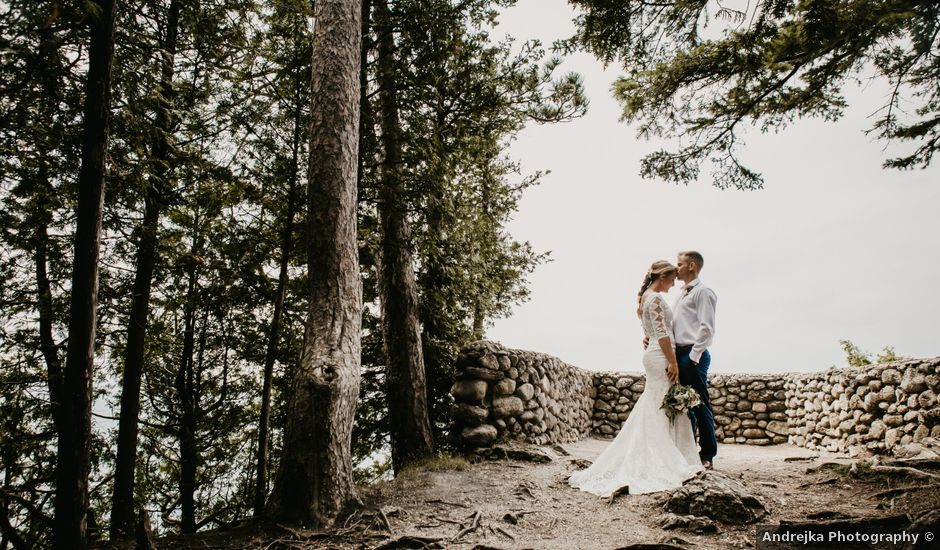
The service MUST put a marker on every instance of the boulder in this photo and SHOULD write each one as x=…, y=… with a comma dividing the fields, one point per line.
x=690, y=523
x=877, y=430
x=893, y=420
x=470, y=415
x=913, y=381
x=507, y=406
x=525, y=391
x=914, y=451
x=777, y=427
x=505, y=386
x=469, y=390
x=891, y=438
x=891, y=376
x=489, y=361
x=716, y=496
x=927, y=399
x=479, y=436
x=482, y=374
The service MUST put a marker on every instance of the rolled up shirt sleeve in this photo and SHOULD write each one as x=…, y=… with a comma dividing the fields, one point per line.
x=705, y=301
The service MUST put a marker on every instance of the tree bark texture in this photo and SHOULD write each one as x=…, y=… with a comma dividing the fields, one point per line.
x=123, y=516
x=406, y=386
x=314, y=483
x=69, y=530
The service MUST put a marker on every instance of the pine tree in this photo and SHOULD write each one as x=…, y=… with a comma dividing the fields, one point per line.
x=314, y=482
x=776, y=62
x=123, y=516
x=406, y=387
x=74, y=420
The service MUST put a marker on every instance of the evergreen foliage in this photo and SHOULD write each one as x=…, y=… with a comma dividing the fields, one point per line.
x=462, y=98
x=775, y=61
x=214, y=131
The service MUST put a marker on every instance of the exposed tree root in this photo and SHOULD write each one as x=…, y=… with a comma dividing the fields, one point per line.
x=505, y=532
x=903, y=471
x=624, y=490
x=901, y=490
x=800, y=458
x=474, y=525
x=823, y=482
x=439, y=501
x=837, y=466
x=920, y=463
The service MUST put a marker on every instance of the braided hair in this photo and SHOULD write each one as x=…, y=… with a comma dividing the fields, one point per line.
x=658, y=269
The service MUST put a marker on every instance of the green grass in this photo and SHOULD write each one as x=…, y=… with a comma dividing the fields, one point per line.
x=435, y=463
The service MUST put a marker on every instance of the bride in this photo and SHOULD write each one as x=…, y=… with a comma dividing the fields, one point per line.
x=651, y=453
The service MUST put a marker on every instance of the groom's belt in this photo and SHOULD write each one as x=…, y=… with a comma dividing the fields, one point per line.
x=684, y=348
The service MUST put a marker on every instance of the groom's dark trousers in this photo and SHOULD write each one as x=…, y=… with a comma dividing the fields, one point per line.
x=702, y=417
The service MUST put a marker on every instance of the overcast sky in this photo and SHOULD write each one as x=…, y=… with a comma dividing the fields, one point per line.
x=834, y=247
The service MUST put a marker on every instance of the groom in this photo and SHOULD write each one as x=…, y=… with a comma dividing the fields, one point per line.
x=694, y=327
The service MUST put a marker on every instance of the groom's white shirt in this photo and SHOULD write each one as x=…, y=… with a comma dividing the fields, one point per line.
x=694, y=322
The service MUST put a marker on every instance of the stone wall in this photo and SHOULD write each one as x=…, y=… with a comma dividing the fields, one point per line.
x=538, y=398
x=748, y=408
x=507, y=393
x=879, y=408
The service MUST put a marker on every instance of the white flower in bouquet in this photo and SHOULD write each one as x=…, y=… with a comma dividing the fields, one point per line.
x=678, y=400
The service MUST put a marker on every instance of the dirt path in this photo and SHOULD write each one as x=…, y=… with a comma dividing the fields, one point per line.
x=551, y=515
x=511, y=504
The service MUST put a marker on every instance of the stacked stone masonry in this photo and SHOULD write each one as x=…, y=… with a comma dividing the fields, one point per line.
x=522, y=395
x=877, y=408
x=538, y=398
x=748, y=408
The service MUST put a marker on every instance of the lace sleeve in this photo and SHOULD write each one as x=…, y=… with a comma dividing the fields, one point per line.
x=656, y=309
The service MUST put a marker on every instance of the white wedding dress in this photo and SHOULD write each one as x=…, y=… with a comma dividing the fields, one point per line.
x=650, y=453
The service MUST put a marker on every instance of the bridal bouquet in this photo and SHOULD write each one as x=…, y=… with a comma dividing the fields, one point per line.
x=679, y=399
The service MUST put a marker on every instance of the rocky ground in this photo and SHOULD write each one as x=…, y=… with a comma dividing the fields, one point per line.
x=513, y=504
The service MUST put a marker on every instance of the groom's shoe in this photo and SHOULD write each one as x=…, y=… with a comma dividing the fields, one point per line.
x=707, y=464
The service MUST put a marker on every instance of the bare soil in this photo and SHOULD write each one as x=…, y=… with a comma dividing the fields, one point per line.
x=502, y=504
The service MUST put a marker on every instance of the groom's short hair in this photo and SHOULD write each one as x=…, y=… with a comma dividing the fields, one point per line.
x=695, y=257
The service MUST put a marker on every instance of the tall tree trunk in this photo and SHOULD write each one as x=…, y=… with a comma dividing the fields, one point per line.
x=50, y=351
x=42, y=218
x=186, y=390
x=406, y=387
x=274, y=333
x=314, y=482
x=123, y=516
x=434, y=280
x=69, y=530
